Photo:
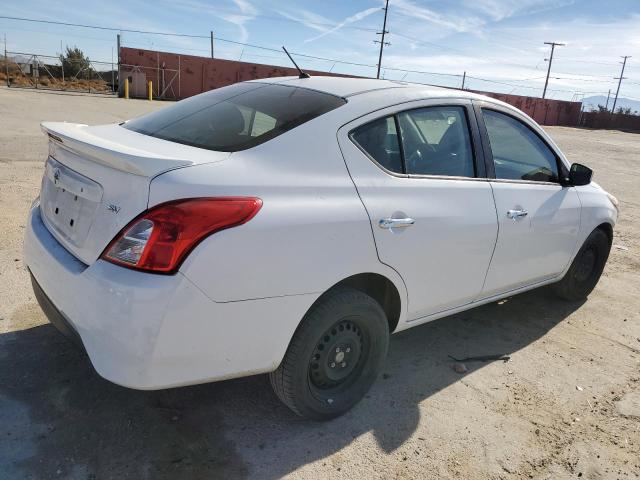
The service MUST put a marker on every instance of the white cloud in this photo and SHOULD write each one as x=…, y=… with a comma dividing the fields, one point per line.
x=347, y=21
x=455, y=22
x=500, y=9
x=307, y=18
x=246, y=13
x=245, y=7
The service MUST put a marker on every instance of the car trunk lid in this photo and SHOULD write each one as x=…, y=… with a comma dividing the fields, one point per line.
x=97, y=180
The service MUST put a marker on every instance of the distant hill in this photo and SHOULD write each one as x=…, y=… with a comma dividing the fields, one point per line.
x=593, y=102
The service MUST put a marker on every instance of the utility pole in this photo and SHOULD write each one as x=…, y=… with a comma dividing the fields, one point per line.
x=553, y=46
x=615, y=100
x=211, y=43
x=113, y=75
x=464, y=77
x=383, y=33
x=606, y=107
x=6, y=60
x=120, y=82
x=62, y=63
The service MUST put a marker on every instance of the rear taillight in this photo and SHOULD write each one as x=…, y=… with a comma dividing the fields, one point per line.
x=161, y=238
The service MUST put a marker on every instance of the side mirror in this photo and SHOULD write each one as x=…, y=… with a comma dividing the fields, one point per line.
x=579, y=175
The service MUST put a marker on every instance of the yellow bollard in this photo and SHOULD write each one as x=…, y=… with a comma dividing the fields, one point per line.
x=150, y=89
x=126, y=87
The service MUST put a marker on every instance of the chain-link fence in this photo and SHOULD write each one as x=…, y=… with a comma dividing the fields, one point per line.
x=28, y=70
x=165, y=81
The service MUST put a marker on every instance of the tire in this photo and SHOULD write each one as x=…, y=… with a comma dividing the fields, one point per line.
x=586, y=268
x=334, y=356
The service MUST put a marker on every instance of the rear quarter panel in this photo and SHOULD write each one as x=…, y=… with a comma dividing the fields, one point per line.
x=311, y=232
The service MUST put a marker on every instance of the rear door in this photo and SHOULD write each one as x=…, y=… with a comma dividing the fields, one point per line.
x=538, y=217
x=420, y=175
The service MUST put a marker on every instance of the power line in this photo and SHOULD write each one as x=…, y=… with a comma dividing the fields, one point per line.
x=587, y=61
x=525, y=86
x=234, y=42
x=225, y=40
x=345, y=62
x=97, y=27
x=266, y=17
x=457, y=50
x=585, y=74
x=298, y=21
x=582, y=80
x=422, y=72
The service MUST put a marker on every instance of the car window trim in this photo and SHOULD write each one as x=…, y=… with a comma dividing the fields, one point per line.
x=474, y=137
x=478, y=106
x=403, y=163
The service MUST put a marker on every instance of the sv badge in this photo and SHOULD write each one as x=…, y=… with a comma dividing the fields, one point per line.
x=113, y=208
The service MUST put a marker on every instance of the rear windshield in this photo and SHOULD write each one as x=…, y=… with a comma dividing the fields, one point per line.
x=236, y=117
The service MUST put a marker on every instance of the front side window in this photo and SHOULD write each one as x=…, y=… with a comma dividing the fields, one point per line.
x=236, y=117
x=436, y=141
x=518, y=152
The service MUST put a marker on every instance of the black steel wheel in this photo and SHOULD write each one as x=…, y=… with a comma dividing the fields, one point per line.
x=586, y=268
x=338, y=357
x=334, y=356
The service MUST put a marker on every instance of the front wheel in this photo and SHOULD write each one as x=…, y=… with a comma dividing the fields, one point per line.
x=334, y=356
x=585, y=271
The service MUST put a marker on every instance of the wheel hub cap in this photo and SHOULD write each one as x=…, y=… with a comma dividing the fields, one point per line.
x=336, y=355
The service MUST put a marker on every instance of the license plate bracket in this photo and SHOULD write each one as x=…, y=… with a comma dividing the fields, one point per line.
x=69, y=201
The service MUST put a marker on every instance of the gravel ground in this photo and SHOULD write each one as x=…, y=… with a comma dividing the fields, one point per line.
x=566, y=405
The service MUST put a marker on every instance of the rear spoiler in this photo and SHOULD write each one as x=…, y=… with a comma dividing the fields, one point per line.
x=79, y=139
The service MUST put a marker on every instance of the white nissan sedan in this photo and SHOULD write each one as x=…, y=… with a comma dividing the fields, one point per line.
x=289, y=225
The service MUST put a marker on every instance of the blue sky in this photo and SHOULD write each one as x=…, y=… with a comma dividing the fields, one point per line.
x=497, y=40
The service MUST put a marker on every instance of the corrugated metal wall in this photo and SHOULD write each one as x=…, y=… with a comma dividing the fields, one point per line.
x=180, y=76
x=543, y=111
x=619, y=121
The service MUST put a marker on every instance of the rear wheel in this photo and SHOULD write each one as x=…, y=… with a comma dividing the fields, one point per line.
x=334, y=356
x=585, y=271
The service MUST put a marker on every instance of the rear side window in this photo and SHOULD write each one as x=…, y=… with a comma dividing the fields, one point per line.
x=380, y=140
x=518, y=152
x=236, y=117
x=431, y=141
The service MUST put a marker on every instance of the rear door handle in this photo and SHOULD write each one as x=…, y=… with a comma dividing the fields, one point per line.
x=515, y=214
x=396, y=222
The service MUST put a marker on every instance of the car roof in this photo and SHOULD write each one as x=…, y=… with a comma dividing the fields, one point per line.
x=349, y=86
x=339, y=86
x=373, y=93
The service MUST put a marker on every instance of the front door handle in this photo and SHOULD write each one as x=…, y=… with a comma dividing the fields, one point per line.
x=515, y=214
x=396, y=222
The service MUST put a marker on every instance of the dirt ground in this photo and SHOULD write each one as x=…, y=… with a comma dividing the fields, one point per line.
x=566, y=405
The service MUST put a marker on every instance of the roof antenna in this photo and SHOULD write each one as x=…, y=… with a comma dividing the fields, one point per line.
x=302, y=74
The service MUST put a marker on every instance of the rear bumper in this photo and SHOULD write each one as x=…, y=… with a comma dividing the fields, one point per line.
x=54, y=315
x=148, y=331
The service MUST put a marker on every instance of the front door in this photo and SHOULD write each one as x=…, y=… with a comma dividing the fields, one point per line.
x=538, y=217
x=432, y=213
